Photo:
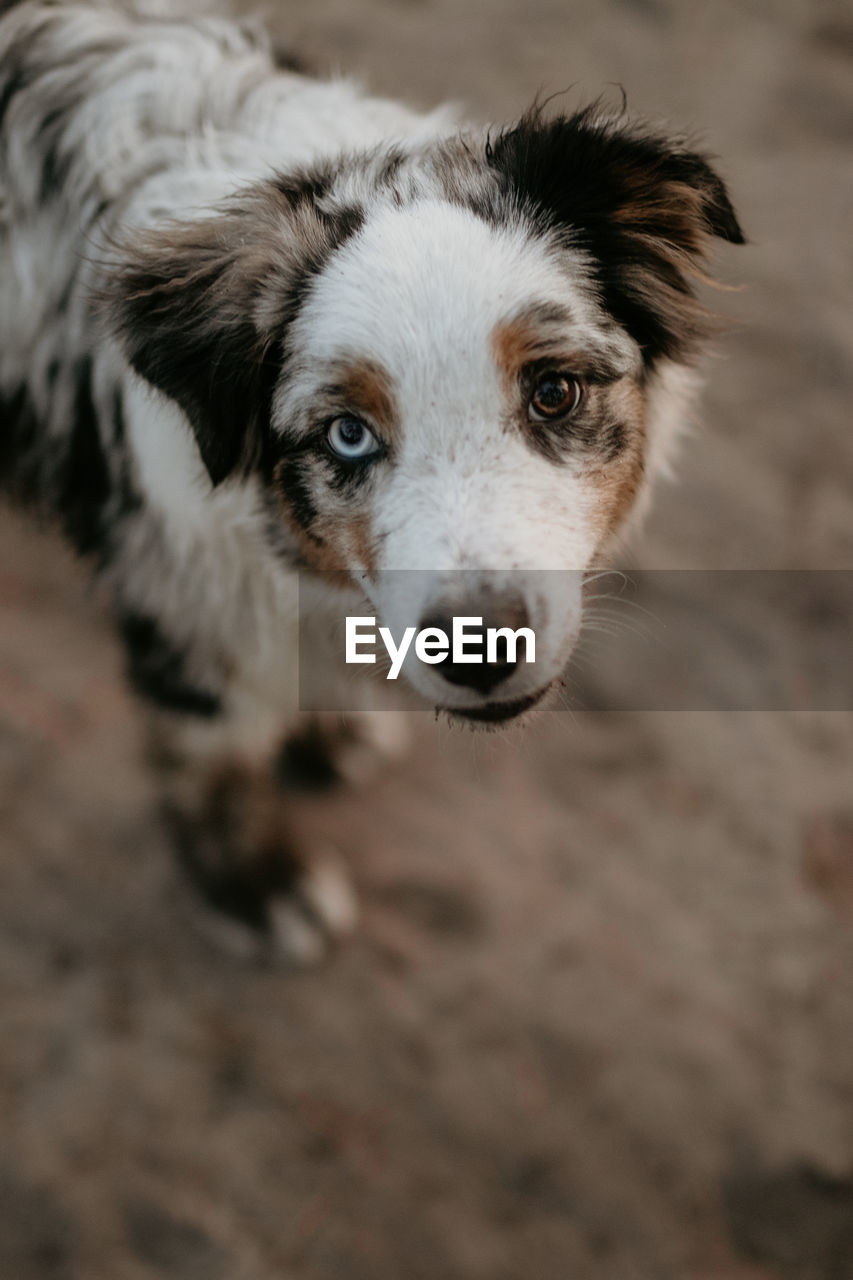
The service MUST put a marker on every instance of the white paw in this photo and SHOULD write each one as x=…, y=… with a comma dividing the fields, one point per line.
x=295, y=935
x=320, y=910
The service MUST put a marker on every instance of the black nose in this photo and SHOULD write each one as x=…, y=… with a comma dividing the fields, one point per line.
x=481, y=676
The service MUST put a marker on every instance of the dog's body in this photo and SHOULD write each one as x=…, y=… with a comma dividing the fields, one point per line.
x=252, y=323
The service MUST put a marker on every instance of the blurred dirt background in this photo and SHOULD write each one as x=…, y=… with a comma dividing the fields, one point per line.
x=599, y=1019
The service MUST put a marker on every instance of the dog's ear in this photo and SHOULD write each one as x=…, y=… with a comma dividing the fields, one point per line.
x=642, y=205
x=201, y=310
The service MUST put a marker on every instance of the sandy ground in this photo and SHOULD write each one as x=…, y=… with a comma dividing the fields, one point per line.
x=599, y=1019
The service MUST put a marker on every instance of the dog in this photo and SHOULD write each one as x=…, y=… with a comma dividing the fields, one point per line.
x=257, y=327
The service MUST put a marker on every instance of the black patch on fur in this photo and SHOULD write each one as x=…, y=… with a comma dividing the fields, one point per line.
x=222, y=376
x=73, y=481
x=185, y=304
x=69, y=479
x=293, y=476
x=307, y=761
x=18, y=73
x=390, y=168
x=304, y=185
x=56, y=165
x=642, y=205
x=286, y=59
x=587, y=436
x=238, y=883
x=19, y=446
x=612, y=440
x=127, y=498
x=156, y=669
x=84, y=488
x=312, y=187
x=349, y=478
x=341, y=224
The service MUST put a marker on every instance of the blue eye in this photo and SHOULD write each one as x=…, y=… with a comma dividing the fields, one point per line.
x=351, y=440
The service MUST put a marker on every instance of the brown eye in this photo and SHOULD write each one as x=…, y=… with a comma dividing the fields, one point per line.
x=554, y=395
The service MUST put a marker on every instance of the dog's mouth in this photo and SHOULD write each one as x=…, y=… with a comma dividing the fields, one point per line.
x=498, y=712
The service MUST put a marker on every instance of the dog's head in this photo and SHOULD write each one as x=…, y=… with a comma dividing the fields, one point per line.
x=442, y=360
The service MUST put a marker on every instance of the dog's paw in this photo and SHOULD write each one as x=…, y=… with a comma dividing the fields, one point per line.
x=299, y=922
x=319, y=910
x=265, y=901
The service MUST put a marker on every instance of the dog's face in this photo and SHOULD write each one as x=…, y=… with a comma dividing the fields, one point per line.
x=458, y=405
x=439, y=364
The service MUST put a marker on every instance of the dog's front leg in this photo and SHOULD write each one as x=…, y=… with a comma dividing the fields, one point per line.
x=227, y=813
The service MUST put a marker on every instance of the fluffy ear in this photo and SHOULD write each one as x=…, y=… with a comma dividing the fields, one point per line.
x=201, y=310
x=643, y=205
